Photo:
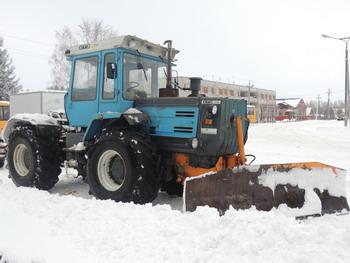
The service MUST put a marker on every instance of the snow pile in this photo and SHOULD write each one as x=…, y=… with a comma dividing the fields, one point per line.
x=321, y=178
x=35, y=118
x=330, y=178
x=68, y=229
x=132, y=111
x=68, y=225
x=78, y=147
x=312, y=205
x=133, y=118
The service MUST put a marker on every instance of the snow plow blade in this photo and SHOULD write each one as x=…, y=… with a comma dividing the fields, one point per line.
x=307, y=188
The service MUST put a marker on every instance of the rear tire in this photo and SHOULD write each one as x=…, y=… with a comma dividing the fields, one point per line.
x=33, y=160
x=122, y=166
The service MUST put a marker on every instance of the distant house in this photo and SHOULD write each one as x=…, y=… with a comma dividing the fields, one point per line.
x=290, y=109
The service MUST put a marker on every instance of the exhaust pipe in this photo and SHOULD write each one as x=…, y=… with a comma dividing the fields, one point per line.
x=168, y=91
x=195, y=86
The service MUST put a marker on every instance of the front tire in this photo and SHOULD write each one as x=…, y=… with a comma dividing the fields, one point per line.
x=122, y=166
x=33, y=160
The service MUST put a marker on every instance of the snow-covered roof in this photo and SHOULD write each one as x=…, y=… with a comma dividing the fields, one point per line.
x=127, y=41
x=41, y=91
x=294, y=102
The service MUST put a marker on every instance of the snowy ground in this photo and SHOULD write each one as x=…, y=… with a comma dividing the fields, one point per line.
x=68, y=225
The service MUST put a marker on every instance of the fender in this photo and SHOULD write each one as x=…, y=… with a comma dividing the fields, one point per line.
x=34, y=119
x=136, y=118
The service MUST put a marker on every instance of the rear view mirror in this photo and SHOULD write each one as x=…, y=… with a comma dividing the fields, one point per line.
x=140, y=66
x=111, y=70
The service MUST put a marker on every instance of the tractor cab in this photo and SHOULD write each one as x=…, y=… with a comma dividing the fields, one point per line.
x=108, y=76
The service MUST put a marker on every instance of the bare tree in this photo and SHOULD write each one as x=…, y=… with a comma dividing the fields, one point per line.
x=58, y=62
x=88, y=31
x=91, y=30
x=334, y=108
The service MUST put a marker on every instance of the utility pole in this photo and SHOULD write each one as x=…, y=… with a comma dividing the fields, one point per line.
x=347, y=96
x=318, y=105
x=249, y=93
x=328, y=103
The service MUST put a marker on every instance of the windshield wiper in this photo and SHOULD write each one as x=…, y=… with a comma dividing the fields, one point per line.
x=140, y=65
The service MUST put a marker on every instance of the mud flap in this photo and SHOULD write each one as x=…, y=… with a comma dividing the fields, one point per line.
x=310, y=188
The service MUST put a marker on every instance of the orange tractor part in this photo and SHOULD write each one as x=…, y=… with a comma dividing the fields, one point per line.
x=223, y=162
x=312, y=188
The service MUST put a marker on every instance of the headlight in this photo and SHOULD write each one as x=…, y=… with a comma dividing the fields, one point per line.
x=214, y=109
x=194, y=143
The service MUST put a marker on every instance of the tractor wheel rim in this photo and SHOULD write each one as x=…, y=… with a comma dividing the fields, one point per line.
x=21, y=160
x=111, y=170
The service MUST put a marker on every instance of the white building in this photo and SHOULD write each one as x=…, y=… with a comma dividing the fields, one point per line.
x=264, y=100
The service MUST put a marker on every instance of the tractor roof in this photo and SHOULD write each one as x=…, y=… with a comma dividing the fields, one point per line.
x=127, y=41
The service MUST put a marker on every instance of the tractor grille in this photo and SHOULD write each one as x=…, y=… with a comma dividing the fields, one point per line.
x=183, y=129
x=184, y=114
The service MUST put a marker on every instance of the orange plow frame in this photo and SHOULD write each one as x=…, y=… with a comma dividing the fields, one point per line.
x=223, y=162
x=233, y=183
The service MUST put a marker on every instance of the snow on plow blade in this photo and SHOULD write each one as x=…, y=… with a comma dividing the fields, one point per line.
x=310, y=188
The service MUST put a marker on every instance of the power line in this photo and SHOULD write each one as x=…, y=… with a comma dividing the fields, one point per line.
x=26, y=53
x=28, y=40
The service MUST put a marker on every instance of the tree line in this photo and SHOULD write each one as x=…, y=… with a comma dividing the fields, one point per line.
x=333, y=110
x=88, y=31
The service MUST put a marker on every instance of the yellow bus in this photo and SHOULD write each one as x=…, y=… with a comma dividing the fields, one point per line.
x=4, y=113
x=4, y=116
x=251, y=113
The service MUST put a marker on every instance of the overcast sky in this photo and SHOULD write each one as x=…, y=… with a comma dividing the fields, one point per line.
x=276, y=44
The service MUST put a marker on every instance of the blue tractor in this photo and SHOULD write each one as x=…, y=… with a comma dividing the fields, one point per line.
x=131, y=135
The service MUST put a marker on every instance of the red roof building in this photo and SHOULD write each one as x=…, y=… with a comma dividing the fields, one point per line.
x=290, y=109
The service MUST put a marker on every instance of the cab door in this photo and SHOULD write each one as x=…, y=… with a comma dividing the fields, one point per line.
x=108, y=99
x=81, y=101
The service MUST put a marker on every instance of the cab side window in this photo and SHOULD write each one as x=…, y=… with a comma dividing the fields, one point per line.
x=85, y=79
x=108, y=84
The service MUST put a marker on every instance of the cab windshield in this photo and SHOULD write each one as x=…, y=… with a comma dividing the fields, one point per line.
x=142, y=77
